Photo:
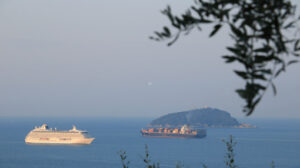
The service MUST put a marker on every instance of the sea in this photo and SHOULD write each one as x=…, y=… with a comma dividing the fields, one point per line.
x=274, y=140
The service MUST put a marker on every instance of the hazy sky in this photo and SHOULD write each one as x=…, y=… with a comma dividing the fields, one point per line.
x=94, y=58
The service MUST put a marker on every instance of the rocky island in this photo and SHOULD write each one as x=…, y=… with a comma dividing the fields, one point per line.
x=204, y=117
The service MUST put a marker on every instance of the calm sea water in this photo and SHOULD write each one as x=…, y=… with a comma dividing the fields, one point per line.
x=277, y=140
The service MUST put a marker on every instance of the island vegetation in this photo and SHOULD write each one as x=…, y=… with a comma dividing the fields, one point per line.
x=203, y=117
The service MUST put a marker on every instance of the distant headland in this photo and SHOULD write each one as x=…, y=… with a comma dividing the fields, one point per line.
x=204, y=117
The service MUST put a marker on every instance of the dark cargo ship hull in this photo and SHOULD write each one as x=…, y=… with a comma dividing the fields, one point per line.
x=201, y=134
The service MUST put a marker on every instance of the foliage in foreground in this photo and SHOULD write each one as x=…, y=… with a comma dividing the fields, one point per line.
x=228, y=159
x=259, y=29
x=147, y=160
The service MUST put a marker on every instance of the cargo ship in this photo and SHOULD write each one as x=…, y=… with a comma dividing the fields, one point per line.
x=184, y=132
x=45, y=135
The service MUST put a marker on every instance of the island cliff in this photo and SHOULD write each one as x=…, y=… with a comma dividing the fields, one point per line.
x=204, y=117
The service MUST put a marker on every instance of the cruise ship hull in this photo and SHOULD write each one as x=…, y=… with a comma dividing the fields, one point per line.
x=59, y=141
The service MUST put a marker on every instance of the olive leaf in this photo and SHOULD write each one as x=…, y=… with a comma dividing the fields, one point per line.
x=258, y=29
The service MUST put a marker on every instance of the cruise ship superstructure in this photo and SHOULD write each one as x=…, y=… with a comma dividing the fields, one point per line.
x=45, y=135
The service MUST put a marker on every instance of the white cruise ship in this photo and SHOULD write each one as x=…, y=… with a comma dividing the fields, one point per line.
x=45, y=135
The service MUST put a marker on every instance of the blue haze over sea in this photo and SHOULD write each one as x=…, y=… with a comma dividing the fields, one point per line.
x=277, y=140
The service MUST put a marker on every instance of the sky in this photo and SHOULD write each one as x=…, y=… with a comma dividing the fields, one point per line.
x=91, y=58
